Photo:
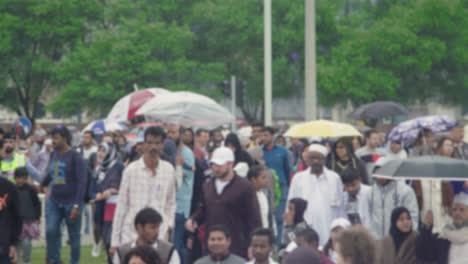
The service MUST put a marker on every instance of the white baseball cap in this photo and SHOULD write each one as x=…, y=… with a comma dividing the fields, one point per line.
x=222, y=155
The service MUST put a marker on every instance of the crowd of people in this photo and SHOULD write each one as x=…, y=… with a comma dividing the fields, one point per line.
x=177, y=195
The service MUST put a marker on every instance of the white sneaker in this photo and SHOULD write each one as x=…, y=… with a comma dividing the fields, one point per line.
x=96, y=249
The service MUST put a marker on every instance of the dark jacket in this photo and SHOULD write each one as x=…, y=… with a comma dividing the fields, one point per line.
x=30, y=205
x=164, y=249
x=406, y=254
x=240, y=155
x=429, y=247
x=236, y=208
x=338, y=166
x=11, y=223
x=67, y=176
x=111, y=180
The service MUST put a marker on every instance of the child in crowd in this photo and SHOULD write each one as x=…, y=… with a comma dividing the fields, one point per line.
x=294, y=219
x=30, y=212
x=257, y=176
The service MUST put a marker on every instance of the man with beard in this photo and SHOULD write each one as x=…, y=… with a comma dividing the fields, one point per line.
x=228, y=200
x=147, y=182
x=12, y=160
x=451, y=245
x=219, y=242
x=147, y=223
x=185, y=162
x=323, y=191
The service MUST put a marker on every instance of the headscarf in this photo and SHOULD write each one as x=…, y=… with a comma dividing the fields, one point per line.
x=300, y=206
x=109, y=159
x=398, y=236
x=302, y=255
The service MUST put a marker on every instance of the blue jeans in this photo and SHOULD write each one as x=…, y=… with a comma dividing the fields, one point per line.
x=55, y=214
x=179, y=236
x=280, y=209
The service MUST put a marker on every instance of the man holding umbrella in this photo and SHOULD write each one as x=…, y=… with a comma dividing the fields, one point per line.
x=386, y=195
x=457, y=134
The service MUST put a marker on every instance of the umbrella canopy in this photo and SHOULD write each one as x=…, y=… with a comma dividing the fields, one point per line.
x=125, y=109
x=99, y=127
x=378, y=110
x=408, y=131
x=186, y=108
x=322, y=128
x=425, y=168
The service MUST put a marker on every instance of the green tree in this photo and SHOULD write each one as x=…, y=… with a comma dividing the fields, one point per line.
x=34, y=37
x=231, y=32
x=136, y=43
x=414, y=50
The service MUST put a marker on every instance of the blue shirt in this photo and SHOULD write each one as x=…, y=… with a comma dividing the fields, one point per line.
x=185, y=191
x=277, y=159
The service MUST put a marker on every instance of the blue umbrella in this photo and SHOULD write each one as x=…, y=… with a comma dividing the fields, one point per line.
x=408, y=131
x=99, y=127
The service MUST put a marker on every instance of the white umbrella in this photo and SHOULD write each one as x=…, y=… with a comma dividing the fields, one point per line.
x=186, y=108
x=125, y=109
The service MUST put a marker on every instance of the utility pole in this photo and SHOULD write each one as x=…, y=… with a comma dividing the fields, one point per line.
x=233, y=101
x=310, y=98
x=267, y=61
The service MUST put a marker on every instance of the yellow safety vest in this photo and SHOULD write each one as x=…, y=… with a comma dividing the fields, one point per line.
x=8, y=168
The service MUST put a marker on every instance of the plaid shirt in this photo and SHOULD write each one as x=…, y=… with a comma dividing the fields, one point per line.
x=140, y=189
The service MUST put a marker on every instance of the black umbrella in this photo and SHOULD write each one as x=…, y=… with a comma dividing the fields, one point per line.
x=378, y=110
x=425, y=168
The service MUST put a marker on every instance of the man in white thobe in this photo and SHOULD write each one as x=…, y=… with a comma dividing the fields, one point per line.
x=323, y=191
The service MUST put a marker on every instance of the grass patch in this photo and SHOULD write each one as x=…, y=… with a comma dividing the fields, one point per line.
x=38, y=255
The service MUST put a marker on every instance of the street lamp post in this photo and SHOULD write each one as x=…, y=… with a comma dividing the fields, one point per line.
x=267, y=61
x=310, y=98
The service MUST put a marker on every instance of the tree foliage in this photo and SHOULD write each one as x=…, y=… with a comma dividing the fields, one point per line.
x=135, y=44
x=412, y=50
x=366, y=50
x=34, y=38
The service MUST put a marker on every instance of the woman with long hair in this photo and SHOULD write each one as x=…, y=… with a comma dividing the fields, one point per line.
x=240, y=155
x=424, y=144
x=294, y=219
x=342, y=157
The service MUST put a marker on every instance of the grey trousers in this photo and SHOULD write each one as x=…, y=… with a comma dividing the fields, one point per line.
x=24, y=251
